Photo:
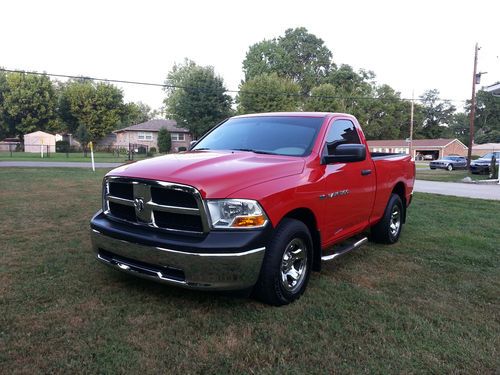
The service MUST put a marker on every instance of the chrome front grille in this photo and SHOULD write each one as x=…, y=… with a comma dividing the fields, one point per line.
x=156, y=204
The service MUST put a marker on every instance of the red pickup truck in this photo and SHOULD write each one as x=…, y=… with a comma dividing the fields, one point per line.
x=257, y=204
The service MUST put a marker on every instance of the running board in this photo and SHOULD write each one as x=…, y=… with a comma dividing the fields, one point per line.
x=344, y=249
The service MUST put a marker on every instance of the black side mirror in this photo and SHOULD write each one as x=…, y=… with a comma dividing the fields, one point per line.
x=192, y=144
x=346, y=153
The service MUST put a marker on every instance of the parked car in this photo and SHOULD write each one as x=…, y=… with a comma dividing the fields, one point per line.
x=449, y=162
x=258, y=203
x=482, y=165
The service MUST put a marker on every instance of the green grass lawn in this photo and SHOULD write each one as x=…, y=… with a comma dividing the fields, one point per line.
x=447, y=176
x=429, y=304
x=103, y=157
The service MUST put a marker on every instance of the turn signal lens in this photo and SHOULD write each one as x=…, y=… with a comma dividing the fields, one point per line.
x=249, y=221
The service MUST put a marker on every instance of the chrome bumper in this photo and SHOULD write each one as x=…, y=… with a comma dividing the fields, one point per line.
x=214, y=271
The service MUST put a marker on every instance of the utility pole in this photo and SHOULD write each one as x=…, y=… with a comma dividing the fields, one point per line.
x=411, y=124
x=473, y=109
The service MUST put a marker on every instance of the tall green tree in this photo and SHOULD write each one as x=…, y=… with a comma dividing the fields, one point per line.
x=199, y=100
x=459, y=127
x=297, y=55
x=385, y=116
x=487, y=120
x=268, y=93
x=97, y=106
x=325, y=98
x=437, y=115
x=164, y=141
x=136, y=113
x=28, y=103
x=4, y=127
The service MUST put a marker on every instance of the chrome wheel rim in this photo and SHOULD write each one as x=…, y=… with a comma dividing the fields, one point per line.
x=395, y=221
x=294, y=265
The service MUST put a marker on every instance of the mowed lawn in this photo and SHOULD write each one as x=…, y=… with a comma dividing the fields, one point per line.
x=447, y=176
x=429, y=304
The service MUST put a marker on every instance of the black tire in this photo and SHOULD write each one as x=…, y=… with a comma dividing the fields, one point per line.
x=449, y=167
x=385, y=231
x=432, y=167
x=271, y=287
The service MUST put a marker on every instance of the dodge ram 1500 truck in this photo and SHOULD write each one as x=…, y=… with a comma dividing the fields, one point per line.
x=256, y=204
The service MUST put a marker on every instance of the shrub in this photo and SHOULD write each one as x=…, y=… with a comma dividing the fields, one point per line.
x=152, y=150
x=474, y=157
x=164, y=141
x=182, y=148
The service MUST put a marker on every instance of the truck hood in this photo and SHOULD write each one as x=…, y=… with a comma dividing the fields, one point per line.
x=216, y=174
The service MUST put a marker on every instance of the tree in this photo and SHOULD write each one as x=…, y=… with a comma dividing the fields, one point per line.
x=385, y=116
x=4, y=127
x=487, y=121
x=298, y=55
x=199, y=100
x=459, y=127
x=136, y=113
x=83, y=137
x=437, y=114
x=325, y=98
x=97, y=106
x=28, y=103
x=164, y=141
x=268, y=93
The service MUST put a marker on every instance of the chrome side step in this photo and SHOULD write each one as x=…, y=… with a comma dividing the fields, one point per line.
x=344, y=249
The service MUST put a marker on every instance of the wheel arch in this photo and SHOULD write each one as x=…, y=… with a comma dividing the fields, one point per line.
x=400, y=190
x=307, y=216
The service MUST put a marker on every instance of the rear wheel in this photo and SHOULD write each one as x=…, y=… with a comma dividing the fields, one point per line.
x=388, y=229
x=449, y=167
x=287, y=264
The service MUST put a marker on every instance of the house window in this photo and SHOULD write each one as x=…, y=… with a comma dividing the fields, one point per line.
x=177, y=136
x=145, y=136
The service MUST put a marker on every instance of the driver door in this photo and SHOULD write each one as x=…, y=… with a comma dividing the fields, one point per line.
x=350, y=186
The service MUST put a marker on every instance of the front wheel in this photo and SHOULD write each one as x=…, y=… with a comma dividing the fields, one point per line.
x=449, y=167
x=388, y=229
x=287, y=264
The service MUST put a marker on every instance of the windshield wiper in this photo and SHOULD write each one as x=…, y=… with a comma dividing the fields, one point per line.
x=201, y=149
x=255, y=151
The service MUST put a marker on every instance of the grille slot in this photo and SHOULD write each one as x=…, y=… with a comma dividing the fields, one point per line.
x=159, y=205
x=178, y=221
x=170, y=197
x=122, y=212
x=121, y=190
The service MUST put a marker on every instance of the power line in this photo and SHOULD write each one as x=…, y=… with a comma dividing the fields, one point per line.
x=165, y=85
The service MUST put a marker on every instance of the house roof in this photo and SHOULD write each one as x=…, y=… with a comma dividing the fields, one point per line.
x=494, y=89
x=436, y=143
x=487, y=146
x=154, y=126
x=39, y=133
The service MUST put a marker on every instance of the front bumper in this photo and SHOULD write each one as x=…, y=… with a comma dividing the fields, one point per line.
x=480, y=168
x=218, y=261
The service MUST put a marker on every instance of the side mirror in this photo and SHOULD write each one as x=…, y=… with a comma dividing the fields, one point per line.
x=346, y=153
x=192, y=144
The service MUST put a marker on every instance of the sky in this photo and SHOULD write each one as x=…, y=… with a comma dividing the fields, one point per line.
x=412, y=46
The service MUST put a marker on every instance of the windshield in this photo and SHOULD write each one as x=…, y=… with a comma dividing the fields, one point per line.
x=490, y=155
x=280, y=135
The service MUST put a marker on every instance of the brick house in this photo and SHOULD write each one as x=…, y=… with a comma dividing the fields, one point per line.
x=421, y=148
x=146, y=134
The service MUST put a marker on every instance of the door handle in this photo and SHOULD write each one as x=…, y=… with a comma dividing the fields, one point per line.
x=366, y=172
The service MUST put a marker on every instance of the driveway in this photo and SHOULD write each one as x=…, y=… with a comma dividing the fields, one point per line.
x=52, y=164
x=458, y=189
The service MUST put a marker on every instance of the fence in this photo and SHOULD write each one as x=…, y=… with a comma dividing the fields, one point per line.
x=130, y=151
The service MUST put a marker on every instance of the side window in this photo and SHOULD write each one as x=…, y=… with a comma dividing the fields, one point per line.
x=340, y=132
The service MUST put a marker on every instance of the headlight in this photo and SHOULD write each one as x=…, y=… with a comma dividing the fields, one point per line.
x=236, y=213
